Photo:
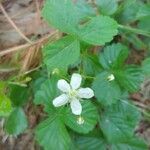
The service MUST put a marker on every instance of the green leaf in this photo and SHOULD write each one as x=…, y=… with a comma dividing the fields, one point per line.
x=144, y=24
x=61, y=14
x=61, y=53
x=107, y=7
x=36, y=84
x=52, y=134
x=130, y=78
x=47, y=93
x=5, y=105
x=119, y=120
x=113, y=56
x=144, y=11
x=146, y=66
x=107, y=92
x=90, y=64
x=16, y=122
x=18, y=99
x=95, y=143
x=129, y=11
x=131, y=144
x=89, y=115
x=98, y=30
x=91, y=143
x=84, y=10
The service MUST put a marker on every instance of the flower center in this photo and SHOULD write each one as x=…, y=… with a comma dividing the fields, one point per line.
x=72, y=93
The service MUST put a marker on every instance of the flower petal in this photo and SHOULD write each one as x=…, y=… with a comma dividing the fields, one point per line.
x=60, y=100
x=76, y=106
x=75, y=81
x=63, y=85
x=85, y=93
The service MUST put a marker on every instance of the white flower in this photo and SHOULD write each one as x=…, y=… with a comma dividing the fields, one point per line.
x=72, y=93
x=111, y=77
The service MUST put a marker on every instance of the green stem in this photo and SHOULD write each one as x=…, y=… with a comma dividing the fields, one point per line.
x=88, y=77
x=134, y=30
x=17, y=83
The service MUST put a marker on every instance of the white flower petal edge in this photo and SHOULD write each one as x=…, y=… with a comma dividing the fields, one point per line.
x=63, y=85
x=60, y=100
x=85, y=93
x=75, y=81
x=76, y=106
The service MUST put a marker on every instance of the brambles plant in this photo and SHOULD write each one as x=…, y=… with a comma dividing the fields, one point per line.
x=86, y=78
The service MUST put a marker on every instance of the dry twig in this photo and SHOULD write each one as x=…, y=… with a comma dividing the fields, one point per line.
x=13, y=24
x=27, y=45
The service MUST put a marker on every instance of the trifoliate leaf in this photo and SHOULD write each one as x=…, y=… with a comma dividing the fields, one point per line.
x=107, y=92
x=146, y=66
x=130, y=78
x=113, y=56
x=85, y=122
x=5, y=105
x=98, y=30
x=107, y=7
x=61, y=14
x=18, y=99
x=61, y=53
x=119, y=120
x=16, y=122
x=52, y=134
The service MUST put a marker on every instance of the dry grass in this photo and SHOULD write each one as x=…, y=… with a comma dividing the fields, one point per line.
x=24, y=57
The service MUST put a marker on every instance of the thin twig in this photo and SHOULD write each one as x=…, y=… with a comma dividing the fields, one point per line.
x=6, y=70
x=14, y=49
x=140, y=105
x=13, y=24
x=29, y=71
x=24, y=46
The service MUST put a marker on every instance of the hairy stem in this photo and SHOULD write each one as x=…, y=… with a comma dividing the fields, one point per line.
x=135, y=30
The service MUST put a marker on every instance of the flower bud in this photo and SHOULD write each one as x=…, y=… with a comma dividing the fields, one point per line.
x=55, y=71
x=80, y=120
x=111, y=77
